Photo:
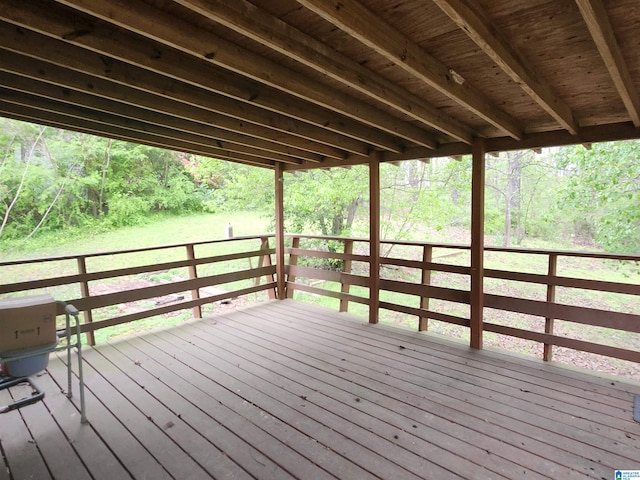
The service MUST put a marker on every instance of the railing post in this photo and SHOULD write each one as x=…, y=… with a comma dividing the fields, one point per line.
x=427, y=255
x=279, y=207
x=551, y=298
x=84, y=291
x=374, y=237
x=293, y=261
x=265, y=260
x=477, y=243
x=345, y=287
x=193, y=274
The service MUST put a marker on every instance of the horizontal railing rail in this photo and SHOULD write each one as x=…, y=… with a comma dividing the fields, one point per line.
x=453, y=300
x=418, y=280
x=73, y=278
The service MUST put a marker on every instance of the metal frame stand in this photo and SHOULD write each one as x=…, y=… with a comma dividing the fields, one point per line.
x=37, y=393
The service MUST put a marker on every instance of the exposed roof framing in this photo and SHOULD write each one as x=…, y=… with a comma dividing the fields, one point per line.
x=319, y=83
x=489, y=40
x=375, y=32
x=597, y=20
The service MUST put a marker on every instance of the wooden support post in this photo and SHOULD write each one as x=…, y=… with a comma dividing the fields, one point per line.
x=477, y=242
x=293, y=260
x=279, y=205
x=193, y=274
x=374, y=236
x=84, y=291
x=427, y=253
x=551, y=298
x=265, y=261
x=345, y=287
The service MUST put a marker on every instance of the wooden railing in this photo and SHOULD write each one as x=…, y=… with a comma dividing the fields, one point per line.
x=190, y=270
x=419, y=281
x=418, y=293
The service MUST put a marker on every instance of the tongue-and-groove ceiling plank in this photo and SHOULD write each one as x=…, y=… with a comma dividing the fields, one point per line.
x=319, y=83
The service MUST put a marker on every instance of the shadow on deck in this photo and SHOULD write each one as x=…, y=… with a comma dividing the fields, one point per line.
x=287, y=390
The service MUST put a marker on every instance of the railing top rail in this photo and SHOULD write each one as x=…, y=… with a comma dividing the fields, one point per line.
x=132, y=250
x=534, y=251
x=386, y=242
x=325, y=237
x=567, y=253
x=563, y=253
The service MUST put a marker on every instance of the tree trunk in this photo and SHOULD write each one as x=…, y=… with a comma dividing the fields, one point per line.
x=105, y=168
x=27, y=162
x=512, y=196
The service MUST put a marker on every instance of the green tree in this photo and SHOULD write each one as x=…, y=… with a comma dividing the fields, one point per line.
x=600, y=193
x=52, y=179
x=325, y=201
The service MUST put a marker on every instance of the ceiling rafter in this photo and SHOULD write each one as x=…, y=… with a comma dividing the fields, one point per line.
x=112, y=46
x=178, y=74
x=167, y=29
x=466, y=16
x=43, y=115
x=166, y=111
x=148, y=120
x=253, y=22
x=28, y=93
x=354, y=18
x=597, y=20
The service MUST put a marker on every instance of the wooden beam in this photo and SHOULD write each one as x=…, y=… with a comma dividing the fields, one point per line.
x=595, y=16
x=467, y=17
x=600, y=133
x=374, y=237
x=201, y=43
x=552, y=270
x=56, y=120
x=111, y=46
x=477, y=243
x=24, y=114
x=279, y=215
x=255, y=23
x=46, y=112
x=56, y=82
x=359, y=22
x=29, y=92
x=68, y=65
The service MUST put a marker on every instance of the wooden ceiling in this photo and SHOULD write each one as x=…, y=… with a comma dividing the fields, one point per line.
x=319, y=83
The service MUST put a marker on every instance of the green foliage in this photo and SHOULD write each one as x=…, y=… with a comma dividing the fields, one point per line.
x=600, y=193
x=324, y=201
x=420, y=199
x=51, y=179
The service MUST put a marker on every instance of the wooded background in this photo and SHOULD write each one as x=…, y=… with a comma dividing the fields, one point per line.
x=53, y=180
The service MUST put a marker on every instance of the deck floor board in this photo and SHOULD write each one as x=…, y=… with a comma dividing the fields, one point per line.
x=286, y=390
x=535, y=439
x=496, y=387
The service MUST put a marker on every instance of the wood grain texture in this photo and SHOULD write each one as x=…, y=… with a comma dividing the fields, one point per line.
x=287, y=390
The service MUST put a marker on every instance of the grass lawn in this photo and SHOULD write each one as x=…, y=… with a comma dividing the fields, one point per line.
x=165, y=231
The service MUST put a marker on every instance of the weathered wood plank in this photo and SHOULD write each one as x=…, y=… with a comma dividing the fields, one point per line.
x=215, y=418
x=151, y=396
x=290, y=390
x=350, y=401
x=392, y=378
x=92, y=451
x=271, y=404
x=496, y=376
x=22, y=457
x=58, y=454
x=124, y=429
x=504, y=365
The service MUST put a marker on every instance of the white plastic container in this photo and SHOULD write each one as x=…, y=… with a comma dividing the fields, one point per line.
x=17, y=364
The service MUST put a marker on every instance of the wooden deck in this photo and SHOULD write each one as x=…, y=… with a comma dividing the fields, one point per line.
x=286, y=390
